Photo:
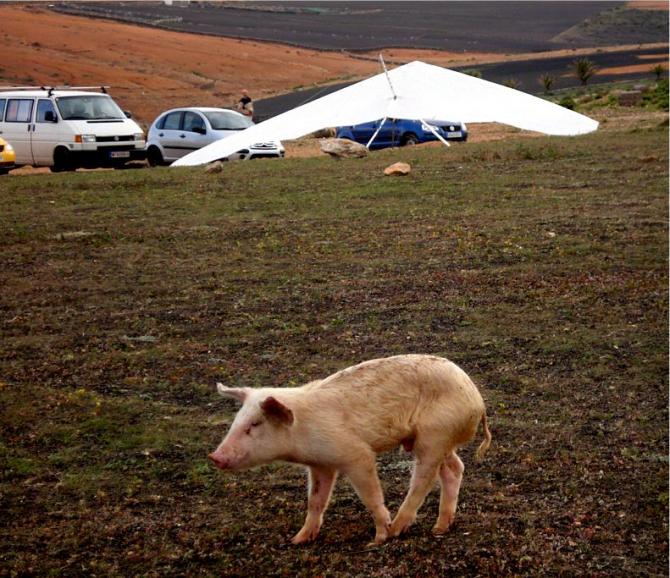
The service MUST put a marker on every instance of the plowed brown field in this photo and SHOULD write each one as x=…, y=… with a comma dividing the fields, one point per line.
x=150, y=70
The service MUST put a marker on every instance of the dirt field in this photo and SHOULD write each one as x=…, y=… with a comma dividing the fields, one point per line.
x=151, y=70
x=537, y=264
x=456, y=26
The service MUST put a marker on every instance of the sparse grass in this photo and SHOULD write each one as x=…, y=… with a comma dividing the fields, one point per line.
x=539, y=265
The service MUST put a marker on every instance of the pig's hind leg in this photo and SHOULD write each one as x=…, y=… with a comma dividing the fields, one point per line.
x=320, y=488
x=423, y=477
x=451, y=475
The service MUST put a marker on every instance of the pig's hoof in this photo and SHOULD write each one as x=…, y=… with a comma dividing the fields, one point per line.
x=440, y=530
x=380, y=538
x=304, y=536
x=381, y=533
x=442, y=526
x=400, y=525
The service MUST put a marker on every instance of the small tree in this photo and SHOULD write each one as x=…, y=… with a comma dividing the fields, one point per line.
x=547, y=80
x=511, y=83
x=584, y=69
x=473, y=72
x=658, y=70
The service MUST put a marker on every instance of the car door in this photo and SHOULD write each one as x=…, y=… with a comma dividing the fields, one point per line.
x=168, y=135
x=18, y=126
x=46, y=132
x=195, y=132
x=363, y=132
x=387, y=133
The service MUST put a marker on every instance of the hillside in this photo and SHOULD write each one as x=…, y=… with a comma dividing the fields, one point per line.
x=151, y=70
x=455, y=26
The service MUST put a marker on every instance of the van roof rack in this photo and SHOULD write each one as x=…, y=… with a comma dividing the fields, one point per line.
x=50, y=89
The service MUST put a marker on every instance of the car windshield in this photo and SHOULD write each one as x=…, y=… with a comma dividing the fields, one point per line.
x=223, y=120
x=89, y=107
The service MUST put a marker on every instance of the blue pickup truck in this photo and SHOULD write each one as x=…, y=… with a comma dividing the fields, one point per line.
x=400, y=132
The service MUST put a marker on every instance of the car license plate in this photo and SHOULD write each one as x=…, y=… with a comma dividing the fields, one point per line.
x=454, y=134
x=119, y=154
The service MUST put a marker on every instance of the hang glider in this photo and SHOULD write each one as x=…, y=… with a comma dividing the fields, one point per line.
x=415, y=91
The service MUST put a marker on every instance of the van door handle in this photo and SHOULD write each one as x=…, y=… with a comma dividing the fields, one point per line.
x=160, y=134
x=182, y=136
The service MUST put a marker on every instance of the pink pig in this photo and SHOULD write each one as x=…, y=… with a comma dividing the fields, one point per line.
x=426, y=404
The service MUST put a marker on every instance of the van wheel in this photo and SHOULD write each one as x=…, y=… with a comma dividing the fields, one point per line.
x=410, y=139
x=4, y=171
x=62, y=161
x=155, y=157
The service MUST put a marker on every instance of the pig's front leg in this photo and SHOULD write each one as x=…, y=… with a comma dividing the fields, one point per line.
x=320, y=488
x=363, y=477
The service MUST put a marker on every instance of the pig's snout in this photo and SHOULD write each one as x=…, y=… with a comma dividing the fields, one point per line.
x=218, y=461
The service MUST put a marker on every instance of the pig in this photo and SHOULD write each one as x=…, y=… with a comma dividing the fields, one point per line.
x=426, y=404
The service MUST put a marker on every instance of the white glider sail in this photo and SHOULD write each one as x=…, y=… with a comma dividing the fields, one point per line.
x=419, y=91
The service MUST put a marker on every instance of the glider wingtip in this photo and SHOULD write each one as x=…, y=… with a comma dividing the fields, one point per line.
x=179, y=163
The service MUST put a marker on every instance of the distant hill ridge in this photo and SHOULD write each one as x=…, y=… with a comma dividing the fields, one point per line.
x=456, y=26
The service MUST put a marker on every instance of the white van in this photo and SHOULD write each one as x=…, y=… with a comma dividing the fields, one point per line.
x=64, y=128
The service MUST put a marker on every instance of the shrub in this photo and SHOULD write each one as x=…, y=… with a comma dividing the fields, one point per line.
x=658, y=98
x=568, y=102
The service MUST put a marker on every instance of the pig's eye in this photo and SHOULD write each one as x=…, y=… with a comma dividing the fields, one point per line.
x=252, y=425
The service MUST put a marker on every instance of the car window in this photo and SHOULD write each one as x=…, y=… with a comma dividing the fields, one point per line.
x=44, y=106
x=19, y=110
x=192, y=121
x=227, y=120
x=2, y=108
x=89, y=107
x=171, y=121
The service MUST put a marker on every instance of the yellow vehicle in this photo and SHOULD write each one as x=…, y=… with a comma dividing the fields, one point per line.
x=7, y=157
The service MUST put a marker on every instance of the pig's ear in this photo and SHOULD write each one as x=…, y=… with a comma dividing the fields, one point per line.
x=238, y=393
x=276, y=410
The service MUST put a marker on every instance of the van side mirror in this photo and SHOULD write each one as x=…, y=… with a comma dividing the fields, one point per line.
x=199, y=130
x=49, y=116
x=128, y=114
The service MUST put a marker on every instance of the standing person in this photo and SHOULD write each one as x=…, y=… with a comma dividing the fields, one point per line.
x=245, y=105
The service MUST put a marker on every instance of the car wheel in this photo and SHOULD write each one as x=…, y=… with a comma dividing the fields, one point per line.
x=62, y=161
x=155, y=157
x=410, y=139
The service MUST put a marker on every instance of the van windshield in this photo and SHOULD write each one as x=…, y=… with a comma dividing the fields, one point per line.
x=222, y=120
x=89, y=107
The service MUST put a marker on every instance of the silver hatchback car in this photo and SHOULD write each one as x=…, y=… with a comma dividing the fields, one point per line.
x=179, y=131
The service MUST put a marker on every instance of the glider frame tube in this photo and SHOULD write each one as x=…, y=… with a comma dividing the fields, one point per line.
x=430, y=127
x=374, y=136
